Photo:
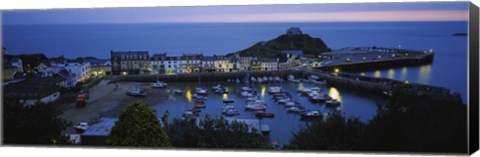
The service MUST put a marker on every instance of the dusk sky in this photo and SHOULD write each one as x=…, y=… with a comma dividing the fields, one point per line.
x=422, y=11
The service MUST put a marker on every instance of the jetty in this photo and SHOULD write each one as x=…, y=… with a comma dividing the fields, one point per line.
x=365, y=58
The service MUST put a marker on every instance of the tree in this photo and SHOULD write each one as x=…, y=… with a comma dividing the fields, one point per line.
x=417, y=124
x=334, y=133
x=138, y=126
x=36, y=124
x=214, y=133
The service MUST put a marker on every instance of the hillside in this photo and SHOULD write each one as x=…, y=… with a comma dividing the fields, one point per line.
x=273, y=48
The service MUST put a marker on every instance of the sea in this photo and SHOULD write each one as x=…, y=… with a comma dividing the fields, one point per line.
x=449, y=68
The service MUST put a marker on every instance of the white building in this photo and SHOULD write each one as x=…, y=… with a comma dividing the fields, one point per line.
x=79, y=71
x=173, y=65
x=268, y=64
x=223, y=64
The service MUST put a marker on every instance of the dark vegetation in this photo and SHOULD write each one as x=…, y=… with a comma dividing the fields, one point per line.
x=213, y=133
x=407, y=123
x=37, y=124
x=273, y=48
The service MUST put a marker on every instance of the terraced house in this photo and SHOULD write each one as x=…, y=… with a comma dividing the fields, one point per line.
x=130, y=62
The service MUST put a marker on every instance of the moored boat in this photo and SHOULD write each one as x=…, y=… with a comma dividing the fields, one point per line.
x=136, y=91
x=296, y=109
x=311, y=115
x=159, y=84
x=201, y=90
x=263, y=114
x=332, y=102
x=228, y=100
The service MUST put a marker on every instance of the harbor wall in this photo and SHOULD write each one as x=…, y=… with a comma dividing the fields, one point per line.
x=381, y=64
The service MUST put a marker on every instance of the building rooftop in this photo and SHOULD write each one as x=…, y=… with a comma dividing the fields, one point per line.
x=102, y=128
x=129, y=52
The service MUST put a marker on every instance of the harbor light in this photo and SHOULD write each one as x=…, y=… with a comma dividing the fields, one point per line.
x=379, y=56
x=364, y=58
x=406, y=82
x=124, y=73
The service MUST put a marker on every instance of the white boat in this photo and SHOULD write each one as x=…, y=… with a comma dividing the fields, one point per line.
x=260, y=80
x=265, y=78
x=304, y=91
x=311, y=114
x=291, y=78
x=296, y=109
x=159, y=84
x=248, y=89
x=253, y=79
x=201, y=90
x=217, y=86
x=230, y=110
x=290, y=104
x=314, y=77
x=237, y=80
x=277, y=79
x=270, y=79
x=274, y=89
x=81, y=127
x=136, y=91
x=177, y=91
x=246, y=94
x=255, y=107
x=332, y=102
x=284, y=101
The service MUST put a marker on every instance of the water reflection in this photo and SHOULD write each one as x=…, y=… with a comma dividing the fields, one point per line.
x=333, y=92
x=225, y=96
x=425, y=72
x=377, y=73
x=404, y=73
x=300, y=85
x=188, y=94
x=391, y=74
x=264, y=88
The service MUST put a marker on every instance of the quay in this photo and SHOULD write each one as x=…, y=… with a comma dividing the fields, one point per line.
x=364, y=58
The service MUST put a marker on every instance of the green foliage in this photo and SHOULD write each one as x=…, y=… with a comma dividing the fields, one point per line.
x=214, y=133
x=417, y=124
x=37, y=124
x=138, y=126
x=335, y=133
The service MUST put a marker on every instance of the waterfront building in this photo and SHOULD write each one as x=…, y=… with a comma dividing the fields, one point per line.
x=191, y=63
x=244, y=62
x=223, y=64
x=130, y=62
x=173, y=65
x=100, y=67
x=290, y=58
x=268, y=64
x=79, y=71
x=208, y=64
x=255, y=65
x=158, y=63
x=294, y=31
x=44, y=64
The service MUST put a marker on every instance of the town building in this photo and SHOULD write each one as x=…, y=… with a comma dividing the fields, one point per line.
x=191, y=63
x=268, y=64
x=130, y=62
x=244, y=62
x=158, y=63
x=100, y=67
x=208, y=64
x=97, y=133
x=79, y=71
x=294, y=31
x=173, y=65
x=223, y=64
